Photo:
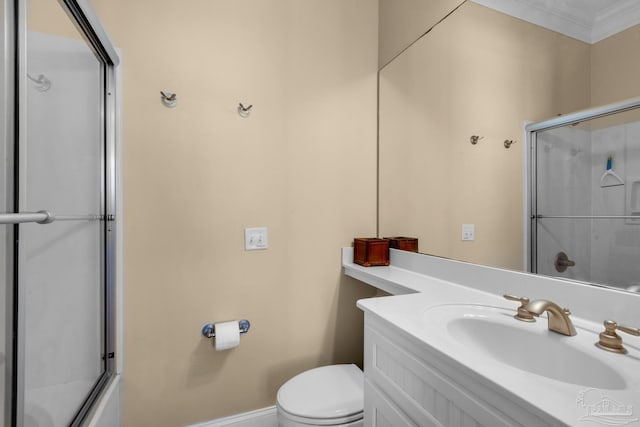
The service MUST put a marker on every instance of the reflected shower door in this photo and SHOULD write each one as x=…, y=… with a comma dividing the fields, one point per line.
x=61, y=264
x=586, y=214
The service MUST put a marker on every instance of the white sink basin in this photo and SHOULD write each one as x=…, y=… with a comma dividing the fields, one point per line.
x=492, y=332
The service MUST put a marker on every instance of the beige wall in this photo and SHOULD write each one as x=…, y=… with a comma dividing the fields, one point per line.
x=615, y=65
x=614, y=68
x=403, y=21
x=195, y=176
x=49, y=17
x=471, y=75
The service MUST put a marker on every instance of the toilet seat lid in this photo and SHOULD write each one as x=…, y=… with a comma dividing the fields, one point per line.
x=327, y=392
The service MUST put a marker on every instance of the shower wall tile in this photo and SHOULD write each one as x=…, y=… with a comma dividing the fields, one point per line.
x=564, y=187
x=615, y=243
x=54, y=405
x=564, y=165
x=633, y=149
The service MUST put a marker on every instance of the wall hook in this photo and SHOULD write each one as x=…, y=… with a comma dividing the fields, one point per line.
x=244, y=111
x=42, y=83
x=475, y=138
x=169, y=99
x=508, y=143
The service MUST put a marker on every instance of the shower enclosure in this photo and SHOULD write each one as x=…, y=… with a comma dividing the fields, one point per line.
x=584, y=209
x=57, y=220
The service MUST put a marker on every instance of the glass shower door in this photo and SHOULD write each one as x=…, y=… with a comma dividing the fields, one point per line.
x=586, y=198
x=6, y=205
x=61, y=277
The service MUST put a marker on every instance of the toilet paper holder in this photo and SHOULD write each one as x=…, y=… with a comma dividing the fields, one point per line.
x=209, y=330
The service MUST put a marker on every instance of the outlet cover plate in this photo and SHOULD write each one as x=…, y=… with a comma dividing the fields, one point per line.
x=468, y=232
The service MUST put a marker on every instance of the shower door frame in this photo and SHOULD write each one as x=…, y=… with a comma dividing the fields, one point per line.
x=81, y=14
x=530, y=169
x=9, y=136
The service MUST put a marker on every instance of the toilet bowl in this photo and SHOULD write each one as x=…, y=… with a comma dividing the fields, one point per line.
x=326, y=396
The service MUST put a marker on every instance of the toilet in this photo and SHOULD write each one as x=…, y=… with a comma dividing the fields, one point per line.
x=325, y=396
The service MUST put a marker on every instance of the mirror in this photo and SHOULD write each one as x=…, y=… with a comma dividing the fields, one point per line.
x=480, y=75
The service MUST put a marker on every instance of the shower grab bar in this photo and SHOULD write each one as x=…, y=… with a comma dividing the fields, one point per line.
x=586, y=216
x=43, y=217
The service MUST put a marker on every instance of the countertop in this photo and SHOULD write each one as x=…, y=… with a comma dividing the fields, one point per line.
x=415, y=293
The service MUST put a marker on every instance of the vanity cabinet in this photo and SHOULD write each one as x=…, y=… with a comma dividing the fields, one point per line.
x=407, y=383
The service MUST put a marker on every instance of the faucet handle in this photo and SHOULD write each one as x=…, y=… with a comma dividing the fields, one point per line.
x=515, y=298
x=522, y=314
x=610, y=340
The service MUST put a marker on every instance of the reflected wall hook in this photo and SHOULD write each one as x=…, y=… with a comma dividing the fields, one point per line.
x=42, y=83
x=244, y=111
x=474, y=139
x=509, y=142
x=169, y=99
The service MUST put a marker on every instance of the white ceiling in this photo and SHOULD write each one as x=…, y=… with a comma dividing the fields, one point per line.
x=586, y=20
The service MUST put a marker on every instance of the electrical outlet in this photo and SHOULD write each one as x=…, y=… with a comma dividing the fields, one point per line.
x=256, y=238
x=468, y=232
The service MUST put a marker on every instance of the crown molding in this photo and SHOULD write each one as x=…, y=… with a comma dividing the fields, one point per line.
x=623, y=14
x=585, y=21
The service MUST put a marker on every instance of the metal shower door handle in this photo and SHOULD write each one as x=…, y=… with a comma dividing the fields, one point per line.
x=45, y=217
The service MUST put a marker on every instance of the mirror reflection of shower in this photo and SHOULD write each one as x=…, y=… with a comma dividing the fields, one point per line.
x=41, y=83
x=584, y=196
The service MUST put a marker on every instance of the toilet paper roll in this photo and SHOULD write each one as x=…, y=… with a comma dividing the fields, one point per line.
x=227, y=335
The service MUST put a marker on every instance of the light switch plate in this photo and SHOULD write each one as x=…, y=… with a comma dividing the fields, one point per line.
x=256, y=238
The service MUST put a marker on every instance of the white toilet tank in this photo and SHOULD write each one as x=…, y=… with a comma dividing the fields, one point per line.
x=325, y=396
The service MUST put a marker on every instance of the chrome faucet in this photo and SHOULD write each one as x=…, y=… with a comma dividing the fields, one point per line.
x=559, y=320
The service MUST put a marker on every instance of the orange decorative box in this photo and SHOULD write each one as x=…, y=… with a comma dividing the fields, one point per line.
x=370, y=251
x=403, y=243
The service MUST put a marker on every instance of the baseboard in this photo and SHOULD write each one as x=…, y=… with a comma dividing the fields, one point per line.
x=260, y=418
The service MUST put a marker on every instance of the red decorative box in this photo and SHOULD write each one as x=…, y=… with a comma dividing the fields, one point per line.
x=403, y=243
x=370, y=251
